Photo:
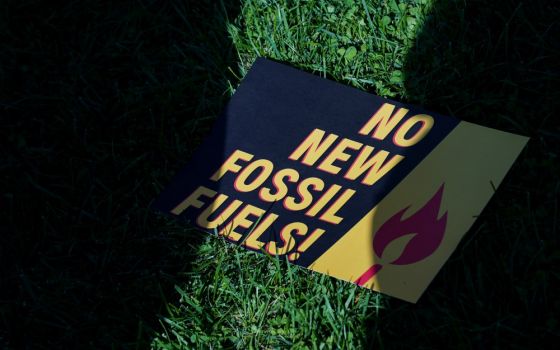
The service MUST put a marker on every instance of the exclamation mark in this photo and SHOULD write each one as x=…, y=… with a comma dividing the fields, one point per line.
x=315, y=235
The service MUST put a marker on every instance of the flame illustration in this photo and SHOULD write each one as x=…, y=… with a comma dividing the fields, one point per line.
x=428, y=233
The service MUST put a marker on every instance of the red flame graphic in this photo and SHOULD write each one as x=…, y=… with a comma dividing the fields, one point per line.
x=426, y=226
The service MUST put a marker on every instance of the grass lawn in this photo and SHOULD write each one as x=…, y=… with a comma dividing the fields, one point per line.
x=102, y=103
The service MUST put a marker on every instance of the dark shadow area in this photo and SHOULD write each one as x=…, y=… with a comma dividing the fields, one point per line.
x=100, y=103
x=494, y=63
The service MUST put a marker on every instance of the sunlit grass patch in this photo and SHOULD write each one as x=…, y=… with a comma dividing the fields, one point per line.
x=357, y=42
x=242, y=299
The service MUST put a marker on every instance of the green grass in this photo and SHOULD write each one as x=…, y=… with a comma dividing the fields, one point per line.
x=240, y=299
x=102, y=104
x=359, y=43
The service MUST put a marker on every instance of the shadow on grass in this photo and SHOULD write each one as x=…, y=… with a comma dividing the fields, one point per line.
x=101, y=103
x=495, y=64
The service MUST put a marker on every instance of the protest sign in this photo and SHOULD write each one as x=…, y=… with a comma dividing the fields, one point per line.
x=340, y=181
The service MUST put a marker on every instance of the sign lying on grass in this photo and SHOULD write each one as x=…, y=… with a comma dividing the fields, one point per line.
x=364, y=189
